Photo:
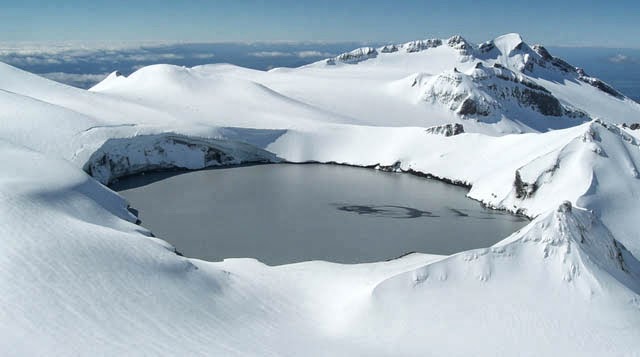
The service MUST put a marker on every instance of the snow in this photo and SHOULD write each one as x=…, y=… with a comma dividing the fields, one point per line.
x=508, y=43
x=79, y=277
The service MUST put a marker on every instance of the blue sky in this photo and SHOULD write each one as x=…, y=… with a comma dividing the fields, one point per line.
x=558, y=22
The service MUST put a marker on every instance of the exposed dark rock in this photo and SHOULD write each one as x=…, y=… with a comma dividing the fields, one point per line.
x=598, y=84
x=529, y=62
x=136, y=214
x=439, y=178
x=510, y=76
x=389, y=49
x=519, y=46
x=545, y=103
x=575, y=113
x=127, y=156
x=390, y=168
x=355, y=56
x=486, y=47
x=450, y=129
x=459, y=43
x=565, y=207
x=523, y=189
x=562, y=65
x=421, y=45
x=543, y=52
x=546, y=57
x=617, y=254
x=470, y=107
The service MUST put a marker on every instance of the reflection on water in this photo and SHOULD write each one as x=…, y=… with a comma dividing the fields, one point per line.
x=289, y=213
x=392, y=211
x=389, y=211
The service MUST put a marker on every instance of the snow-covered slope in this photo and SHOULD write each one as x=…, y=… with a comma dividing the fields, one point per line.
x=77, y=276
x=419, y=83
x=564, y=258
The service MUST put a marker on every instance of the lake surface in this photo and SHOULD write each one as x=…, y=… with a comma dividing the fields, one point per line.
x=285, y=213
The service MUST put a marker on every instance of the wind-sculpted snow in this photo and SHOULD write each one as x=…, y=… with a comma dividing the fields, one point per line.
x=80, y=278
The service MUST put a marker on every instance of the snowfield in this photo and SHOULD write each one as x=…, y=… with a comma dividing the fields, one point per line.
x=526, y=131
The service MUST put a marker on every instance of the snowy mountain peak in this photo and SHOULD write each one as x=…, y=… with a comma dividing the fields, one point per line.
x=461, y=44
x=508, y=51
x=509, y=43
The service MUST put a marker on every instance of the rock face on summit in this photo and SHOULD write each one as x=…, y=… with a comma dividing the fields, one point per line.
x=501, y=80
x=491, y=92
x=355, y=56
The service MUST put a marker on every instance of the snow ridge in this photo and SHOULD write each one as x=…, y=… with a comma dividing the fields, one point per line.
x=508, y=50
x=572, y=239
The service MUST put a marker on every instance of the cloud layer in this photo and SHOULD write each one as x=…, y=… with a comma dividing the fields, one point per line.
x=620, y=58
x=76, y=79
x=83, y=65
x=299, y=54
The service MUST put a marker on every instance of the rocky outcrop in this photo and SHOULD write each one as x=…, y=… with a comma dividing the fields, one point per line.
x=421, y=45
x=598, y=84
x=486, y=47
x=523, y=189
x=546, y=60
x=395, y=167
x=355, y=56
x=483, y=92
x=459, y=43
x=544, y=54
x=450, y=129
x=389, y=49
x=127, y=156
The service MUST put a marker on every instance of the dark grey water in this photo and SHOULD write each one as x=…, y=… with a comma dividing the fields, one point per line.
x=289, y=213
